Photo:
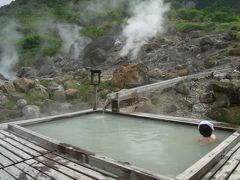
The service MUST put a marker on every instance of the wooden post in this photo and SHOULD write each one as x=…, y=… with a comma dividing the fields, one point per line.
x=95, y=97
x=115, y=104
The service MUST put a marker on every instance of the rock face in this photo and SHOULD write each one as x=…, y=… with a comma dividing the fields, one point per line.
x=31, y=111
x=132, y=75
x=23, y=84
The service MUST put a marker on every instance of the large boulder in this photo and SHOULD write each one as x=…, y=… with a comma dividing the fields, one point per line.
x=38, y=93
x=21, y=103
x=72, y=93
x=59, y=95
x=132, y=75
x=28, y=72
x=94, y=52
x=97, y=57
x=53, y=86
x=31, y=111
x=229, y=88
x=23, y=84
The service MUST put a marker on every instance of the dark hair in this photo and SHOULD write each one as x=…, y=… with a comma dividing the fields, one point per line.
x=205, y=130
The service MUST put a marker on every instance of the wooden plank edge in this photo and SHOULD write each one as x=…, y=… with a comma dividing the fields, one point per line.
x=201, y=167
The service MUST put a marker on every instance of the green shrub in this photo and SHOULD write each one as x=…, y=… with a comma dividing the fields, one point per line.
x=221, y=17
x=31, y=41
x=93, y=32
x=190, y=14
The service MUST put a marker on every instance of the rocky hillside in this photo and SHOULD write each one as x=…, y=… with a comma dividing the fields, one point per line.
x=48, y=47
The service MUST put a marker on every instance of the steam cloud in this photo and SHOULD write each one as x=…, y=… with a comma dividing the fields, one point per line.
x=73, y=43
x=147, y=21
x=8, y=51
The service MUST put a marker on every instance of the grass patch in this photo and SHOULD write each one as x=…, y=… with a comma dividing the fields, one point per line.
x=10, y=104
x=184, y=26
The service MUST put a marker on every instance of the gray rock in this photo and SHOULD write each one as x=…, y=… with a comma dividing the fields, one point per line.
x=230, y=36
x=206, y=41
x=221, y=101
x=96, y=49
x=199, y=108
x=170, y=108
x=207, y=97
x=31, y=111
x=147, y=107
x=21, y=103
x=28, y=72
x=59, y=95
x=96, y=57
x=2, y=77
x=53, y=86
x=45, y=66
x=182, y=88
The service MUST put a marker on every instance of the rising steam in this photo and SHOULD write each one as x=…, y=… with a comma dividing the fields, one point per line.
x=147, y=21
x=8, y=51
x=73, y=43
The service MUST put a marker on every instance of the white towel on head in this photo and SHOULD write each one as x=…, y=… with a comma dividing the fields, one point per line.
x=206, y=123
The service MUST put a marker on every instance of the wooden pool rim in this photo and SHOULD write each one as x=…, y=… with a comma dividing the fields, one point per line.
x=121, y=169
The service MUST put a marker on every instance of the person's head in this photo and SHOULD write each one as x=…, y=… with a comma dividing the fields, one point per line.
x=205, y=128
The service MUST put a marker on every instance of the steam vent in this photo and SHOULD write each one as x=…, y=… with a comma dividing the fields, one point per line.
x=119, y=89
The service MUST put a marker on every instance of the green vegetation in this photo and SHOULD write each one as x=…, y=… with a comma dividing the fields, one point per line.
x=35, y=15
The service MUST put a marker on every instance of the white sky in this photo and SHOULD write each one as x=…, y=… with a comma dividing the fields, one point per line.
x=4, y=2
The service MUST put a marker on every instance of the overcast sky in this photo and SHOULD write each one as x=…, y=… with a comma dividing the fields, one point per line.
x=4, y=2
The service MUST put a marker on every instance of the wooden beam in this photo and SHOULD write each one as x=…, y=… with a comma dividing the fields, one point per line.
x=47, y=170
x=36, y=174
x=76, y=167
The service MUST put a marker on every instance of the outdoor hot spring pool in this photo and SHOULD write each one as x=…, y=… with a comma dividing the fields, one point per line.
x=162, y=147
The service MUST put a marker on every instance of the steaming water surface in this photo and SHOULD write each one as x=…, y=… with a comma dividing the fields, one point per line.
x=161, y=147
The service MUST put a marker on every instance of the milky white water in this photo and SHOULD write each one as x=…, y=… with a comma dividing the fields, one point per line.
x=161, y=147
